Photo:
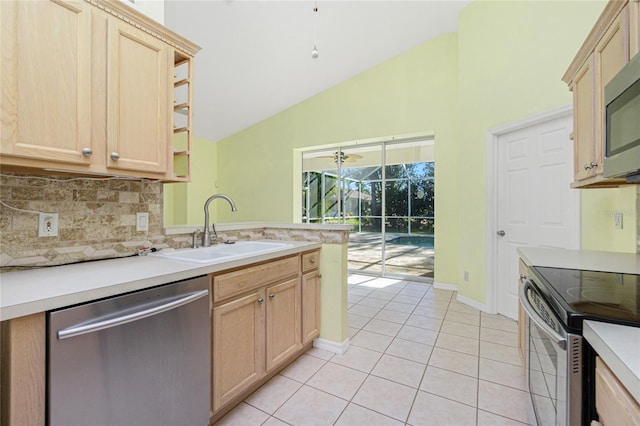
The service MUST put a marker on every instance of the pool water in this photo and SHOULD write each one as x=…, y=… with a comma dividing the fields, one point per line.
x=414, y=240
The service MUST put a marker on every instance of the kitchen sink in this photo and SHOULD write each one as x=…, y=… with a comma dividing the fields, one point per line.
x=223, y=252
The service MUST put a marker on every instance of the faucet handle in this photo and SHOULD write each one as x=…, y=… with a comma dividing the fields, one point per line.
x=195, y=242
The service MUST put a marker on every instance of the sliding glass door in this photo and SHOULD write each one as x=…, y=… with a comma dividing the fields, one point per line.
x=386, y=191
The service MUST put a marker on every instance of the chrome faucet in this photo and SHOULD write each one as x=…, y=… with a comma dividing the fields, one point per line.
x=206, y=237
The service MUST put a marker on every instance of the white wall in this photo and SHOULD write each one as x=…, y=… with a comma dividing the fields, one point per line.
x=154, y=9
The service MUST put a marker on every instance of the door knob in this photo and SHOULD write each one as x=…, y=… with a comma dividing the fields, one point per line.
x=501, y=233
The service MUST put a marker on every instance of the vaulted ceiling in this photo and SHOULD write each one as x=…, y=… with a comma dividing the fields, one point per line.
x=256, y=55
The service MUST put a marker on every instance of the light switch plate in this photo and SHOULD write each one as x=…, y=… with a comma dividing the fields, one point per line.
x=617, y=217
x=142, y=222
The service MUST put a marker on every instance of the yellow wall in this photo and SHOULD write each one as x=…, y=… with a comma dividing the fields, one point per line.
x=184, y=202
x=415, y=92
x=505, y=63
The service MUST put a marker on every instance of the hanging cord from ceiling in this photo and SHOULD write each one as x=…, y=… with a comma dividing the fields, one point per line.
x=314, y=52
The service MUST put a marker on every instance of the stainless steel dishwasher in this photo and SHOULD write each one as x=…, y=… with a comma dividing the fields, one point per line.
x=142, y=358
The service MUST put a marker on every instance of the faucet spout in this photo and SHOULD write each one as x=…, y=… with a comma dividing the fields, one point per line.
x=206, y=237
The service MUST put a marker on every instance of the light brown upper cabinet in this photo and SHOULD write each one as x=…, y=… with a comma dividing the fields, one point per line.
x=92, y=91
x=606, y=50
x=46, y=80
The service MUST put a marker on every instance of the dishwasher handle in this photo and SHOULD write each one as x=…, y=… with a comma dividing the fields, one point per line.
x=557, y=338
x=91, y=327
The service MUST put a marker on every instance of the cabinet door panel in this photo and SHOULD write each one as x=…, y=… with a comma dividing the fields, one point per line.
x=583, y=126
x=238, y=347
x=45, y=74
x=310, y=306
x=283, y=321
x=138, y=120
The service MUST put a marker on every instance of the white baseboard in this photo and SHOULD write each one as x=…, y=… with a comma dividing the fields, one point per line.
x=474, y=304
x=331, y=346
x=445, y=286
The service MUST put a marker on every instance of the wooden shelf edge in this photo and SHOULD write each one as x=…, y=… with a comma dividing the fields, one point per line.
x=181, y=82
x=180, y=130
x=599, y=182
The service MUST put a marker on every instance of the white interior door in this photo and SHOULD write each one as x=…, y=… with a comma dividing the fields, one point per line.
x=535, y=204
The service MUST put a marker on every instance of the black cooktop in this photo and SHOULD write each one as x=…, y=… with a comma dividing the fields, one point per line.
x=577, y=295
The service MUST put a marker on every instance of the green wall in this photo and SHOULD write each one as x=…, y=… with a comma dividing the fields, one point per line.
x=504, y=64
x=183, y=203
x=415, y=92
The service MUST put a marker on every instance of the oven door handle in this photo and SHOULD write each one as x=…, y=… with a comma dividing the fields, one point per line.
x=557, y=338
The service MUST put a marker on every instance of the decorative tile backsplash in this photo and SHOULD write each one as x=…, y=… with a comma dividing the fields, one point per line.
x=96, y=218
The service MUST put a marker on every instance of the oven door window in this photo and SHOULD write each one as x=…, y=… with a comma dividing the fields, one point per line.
x=546, y=362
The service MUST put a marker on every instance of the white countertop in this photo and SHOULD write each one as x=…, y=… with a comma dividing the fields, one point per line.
x=619, y=348
x=626, y=263
x=238, y=226
x=37, y=290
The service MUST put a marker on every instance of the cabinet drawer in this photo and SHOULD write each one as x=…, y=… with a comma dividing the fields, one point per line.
x=237, y=282
x=310, y=261
x=614, y=404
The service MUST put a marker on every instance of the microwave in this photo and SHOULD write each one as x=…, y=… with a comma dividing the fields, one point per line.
x=622, y=124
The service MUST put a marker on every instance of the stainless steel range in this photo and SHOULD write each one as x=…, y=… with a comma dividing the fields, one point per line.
x=561, y=365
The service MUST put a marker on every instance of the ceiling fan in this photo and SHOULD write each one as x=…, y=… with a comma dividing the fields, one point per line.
x=344, y=158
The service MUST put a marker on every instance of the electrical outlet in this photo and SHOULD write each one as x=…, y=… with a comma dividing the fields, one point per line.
x=617, y=218
x=48, y=225
x=466, y=275
x=142, y=222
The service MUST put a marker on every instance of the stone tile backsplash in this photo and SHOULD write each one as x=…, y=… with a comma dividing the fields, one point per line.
x=96, y=218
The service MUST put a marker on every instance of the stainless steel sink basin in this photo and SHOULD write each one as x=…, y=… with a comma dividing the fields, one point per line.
x=223, y=252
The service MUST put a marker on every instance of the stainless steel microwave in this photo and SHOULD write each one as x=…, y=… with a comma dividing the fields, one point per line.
x=622, y=123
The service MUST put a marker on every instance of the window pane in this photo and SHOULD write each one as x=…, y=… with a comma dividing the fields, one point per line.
x=397, y=202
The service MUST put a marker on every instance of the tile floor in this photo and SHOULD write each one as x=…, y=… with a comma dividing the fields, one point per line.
x=417, y=357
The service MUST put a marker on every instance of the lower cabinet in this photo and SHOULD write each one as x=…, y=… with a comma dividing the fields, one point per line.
x=522, y=317
x=263, y=317
x=614, y=403
x=238, y=347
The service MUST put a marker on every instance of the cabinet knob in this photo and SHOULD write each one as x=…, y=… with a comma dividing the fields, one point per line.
x=593, y=164
x=587, y=167
x=261, y=300
x=87, y=152
x=312, y=260
x=319, y=275
x=271, y=296
x=115, y=156
x=523, y=277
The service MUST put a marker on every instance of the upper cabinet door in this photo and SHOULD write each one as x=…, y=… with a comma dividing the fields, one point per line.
x=138, y=106
x=46, y=80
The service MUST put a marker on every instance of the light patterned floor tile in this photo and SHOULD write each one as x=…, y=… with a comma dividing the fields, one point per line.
x=303, y=368
x=357, y=321
x=504, y=401
x=337, y=380
x=400, y=307
x=417, y=334
x=501, y=353
x=464, y=330
x=458, y=343
x=399, y=370
x=454, y=361
x=498, y=336
x=320, y=353
x=374, y=341
x=451, y=385
x=372, y=301
x=243, y=415
x=424, y=322
x=393, y=316
x=386, y=397
x=273, y=394
x=355, y=415
x=433, y=410
x=412, y=351
x=383, y=327
x=364, y=311
x=310, y=406
x=503, y=374
x=359, y=358
x=499, y=322
x=463, y=318
x=489, y=419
